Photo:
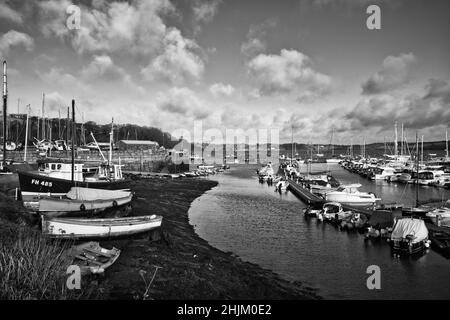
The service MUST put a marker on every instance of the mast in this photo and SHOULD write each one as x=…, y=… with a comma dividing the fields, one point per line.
x=5, y=103
x=73, y=140
x=395, y=140
x=401, y=144
x=67, y=128
x=43, y=116
x=59, y=123
x=417, y=171
x=446, y=145
x=421, y=152
x=292, y=143
x=111, y=141
x=26, y=135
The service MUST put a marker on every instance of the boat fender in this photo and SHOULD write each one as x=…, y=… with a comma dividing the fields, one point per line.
x=82, y=207
x=114, y=203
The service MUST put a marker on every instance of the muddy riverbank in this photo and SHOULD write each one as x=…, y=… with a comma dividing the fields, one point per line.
x=188, y=267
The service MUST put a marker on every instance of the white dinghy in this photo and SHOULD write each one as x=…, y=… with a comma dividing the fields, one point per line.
x=98, y=228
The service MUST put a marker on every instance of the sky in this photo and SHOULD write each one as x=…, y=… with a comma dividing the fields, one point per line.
x=309, y=68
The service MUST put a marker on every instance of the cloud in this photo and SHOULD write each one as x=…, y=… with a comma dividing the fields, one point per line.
x=102, y=67
x=178, y=62
x=182, y=101
x=205, y=10
x=394, y=73
x=220, y=89
x=414, y=110
x=15, y=38
x=289, y=72
x=9, y=14
x=256, y=42
x=54, y=101
x=136, y=28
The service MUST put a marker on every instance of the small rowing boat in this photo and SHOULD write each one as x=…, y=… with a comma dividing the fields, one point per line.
x=91, y=258
x=75, y=228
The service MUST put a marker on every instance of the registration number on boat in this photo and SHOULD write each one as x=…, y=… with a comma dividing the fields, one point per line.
x=41, y=183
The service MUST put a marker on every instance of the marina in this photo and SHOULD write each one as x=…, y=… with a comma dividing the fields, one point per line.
x=225, y=155
x=282, y=239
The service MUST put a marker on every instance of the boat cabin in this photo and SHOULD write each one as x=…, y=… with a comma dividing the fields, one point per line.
x=61, y=170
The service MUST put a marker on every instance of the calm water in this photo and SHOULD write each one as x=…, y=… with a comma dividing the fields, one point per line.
x=261, y=226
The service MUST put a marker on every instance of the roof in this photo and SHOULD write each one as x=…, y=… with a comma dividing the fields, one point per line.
x=139, y=142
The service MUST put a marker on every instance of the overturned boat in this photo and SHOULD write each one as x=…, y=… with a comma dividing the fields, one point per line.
x=83, y=200
x=73, y=228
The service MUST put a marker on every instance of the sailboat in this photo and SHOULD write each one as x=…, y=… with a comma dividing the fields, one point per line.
x=333, y=158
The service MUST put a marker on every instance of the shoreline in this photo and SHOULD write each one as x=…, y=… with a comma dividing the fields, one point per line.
x=190, y=267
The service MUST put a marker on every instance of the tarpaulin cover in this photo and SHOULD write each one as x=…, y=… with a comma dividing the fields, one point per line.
x=77, y=193
x=408, y=226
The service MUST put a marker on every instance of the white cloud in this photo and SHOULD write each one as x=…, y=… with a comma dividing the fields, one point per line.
x=8, y=13
x=15, y=38
x=135, y=28
x=220, y=89
x=178, y=62
x=182, y=101
x=394, y=73
x=102, y=67
x=289, y=72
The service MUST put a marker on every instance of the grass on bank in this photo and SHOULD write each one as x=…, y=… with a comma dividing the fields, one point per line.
x=31, y=267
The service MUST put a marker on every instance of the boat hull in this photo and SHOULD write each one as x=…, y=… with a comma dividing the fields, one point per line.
x=98, y=228
x=34, y=185
x=351, y=201
x=54, y=207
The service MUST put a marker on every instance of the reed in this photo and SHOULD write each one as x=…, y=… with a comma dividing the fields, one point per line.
x=32, y=268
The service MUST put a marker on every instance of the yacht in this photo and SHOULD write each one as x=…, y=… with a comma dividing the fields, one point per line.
x=350, y=195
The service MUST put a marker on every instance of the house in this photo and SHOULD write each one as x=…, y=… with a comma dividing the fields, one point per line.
x=137, y=145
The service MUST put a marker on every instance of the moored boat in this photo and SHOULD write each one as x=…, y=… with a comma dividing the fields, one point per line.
x=350, y=195
x=55, y=179
x=83, y=200
x=409, y=236
x=73, y=228
x=440, y=216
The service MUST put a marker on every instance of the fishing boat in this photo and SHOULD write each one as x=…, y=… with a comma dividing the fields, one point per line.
x=350, y=195
x=55, y=178
x=83, y=200
x=440, y=216
x=74, y=228
x=92, y=258
x=410, y=235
